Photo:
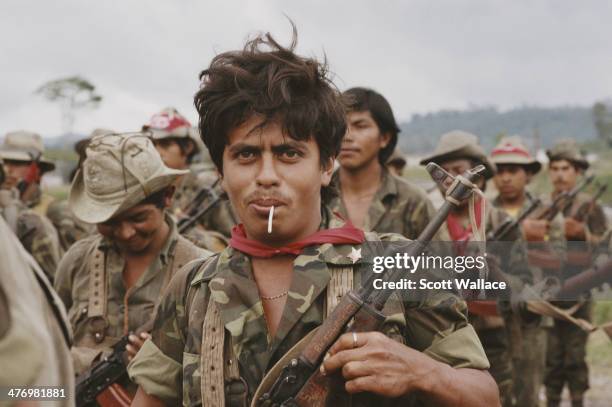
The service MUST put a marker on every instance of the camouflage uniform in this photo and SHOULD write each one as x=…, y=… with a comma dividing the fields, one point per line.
x=398, y=207
x=40, y=239
x=34, y=229
x=565, y=360
x=34, y=331
x=125, y=310
x=494, y=331
x=168, y=366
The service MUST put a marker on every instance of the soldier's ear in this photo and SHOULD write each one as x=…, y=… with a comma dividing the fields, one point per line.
x=327, y=170
x=385, y=138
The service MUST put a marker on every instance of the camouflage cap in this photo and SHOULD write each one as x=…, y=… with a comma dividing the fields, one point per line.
x=120, y=171
x=459, y=144
x=511, y=150
x=568, y=150
x=26, y=146
x=397, y=158
x=169, y=123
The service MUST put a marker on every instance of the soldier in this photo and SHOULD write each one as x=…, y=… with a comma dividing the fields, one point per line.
x=565, y=361
x=282, y=127
x=111, y=282
x=369, y=196
x=457, y=151
x=34, y=332
x=396, y=163
x=173, y=138
x=515, y=169
x=24, y=164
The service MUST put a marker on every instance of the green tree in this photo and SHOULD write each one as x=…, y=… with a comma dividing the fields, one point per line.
x=72, y=94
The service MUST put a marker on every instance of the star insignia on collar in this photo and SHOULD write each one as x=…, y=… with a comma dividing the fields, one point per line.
x=355, y=255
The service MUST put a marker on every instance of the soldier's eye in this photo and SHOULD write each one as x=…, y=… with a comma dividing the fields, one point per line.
x=245, y=154
x=291, y=154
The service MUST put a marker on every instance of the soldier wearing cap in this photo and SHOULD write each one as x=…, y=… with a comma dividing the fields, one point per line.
x=111, y=282
x=456, y=152
x=24, y=165
x=515, y=169
x=35, y=334
x=397, y=162
x=369, y=195
x=175, y=140
x=565, y=362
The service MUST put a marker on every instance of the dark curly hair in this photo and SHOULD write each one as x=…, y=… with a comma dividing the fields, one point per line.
x=368, y=100
x=270, y=80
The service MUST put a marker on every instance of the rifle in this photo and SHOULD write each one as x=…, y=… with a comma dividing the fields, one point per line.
x=510, y=224
x=195, y=212
x=585, y=281
x=587, y=207
x=564, y=200
x=98, y=383
x=300, y=382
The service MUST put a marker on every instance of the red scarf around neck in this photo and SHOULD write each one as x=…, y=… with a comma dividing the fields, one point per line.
x=347, y=234
x=460, y=234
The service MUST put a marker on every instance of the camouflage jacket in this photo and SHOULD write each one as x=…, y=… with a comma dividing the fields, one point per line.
x=168, y=366
x=398, y=207
x=35, y=231
x=40, y=238
x=126, y=310
x=34, y=330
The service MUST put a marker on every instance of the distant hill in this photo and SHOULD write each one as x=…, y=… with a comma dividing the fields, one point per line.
x=421, y=133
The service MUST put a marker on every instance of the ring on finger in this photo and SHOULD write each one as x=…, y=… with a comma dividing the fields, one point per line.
x=354, y=339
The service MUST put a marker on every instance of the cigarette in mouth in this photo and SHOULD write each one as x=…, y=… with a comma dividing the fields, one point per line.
x=270, y=219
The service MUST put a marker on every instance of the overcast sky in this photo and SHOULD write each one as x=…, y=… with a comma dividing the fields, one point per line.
x=423, y=55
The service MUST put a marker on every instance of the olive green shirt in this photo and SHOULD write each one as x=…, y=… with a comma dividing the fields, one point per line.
x=397, y=207
x=126, y=310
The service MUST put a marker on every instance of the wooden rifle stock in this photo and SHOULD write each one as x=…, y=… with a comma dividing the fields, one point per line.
x=114, y=395
x=587, y=280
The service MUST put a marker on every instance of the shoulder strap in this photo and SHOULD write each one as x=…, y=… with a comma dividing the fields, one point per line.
x=96, y=309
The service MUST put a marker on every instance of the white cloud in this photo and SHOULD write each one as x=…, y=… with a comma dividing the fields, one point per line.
x=423, y=55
